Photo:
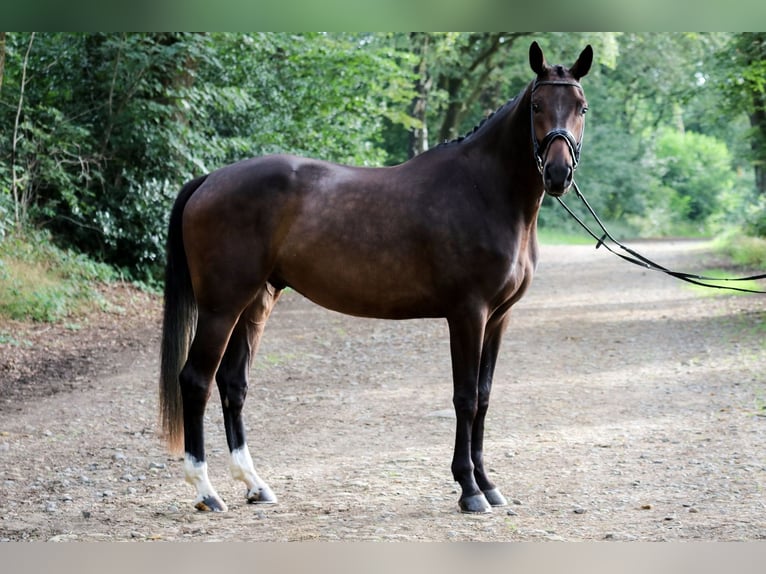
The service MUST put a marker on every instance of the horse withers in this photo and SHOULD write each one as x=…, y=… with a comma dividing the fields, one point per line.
x=451, y=233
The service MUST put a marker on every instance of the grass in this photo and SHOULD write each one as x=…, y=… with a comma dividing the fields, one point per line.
x=559, y=237
x=42, y=282
x=722, y=274
x=572, y=234
x=274, y=359
x=745, y=251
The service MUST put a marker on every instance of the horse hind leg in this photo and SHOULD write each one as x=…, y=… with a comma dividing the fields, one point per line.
x=232, y=380
x=196, y=381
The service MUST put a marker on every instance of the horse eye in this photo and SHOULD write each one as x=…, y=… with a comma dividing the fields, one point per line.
x=535, y=107
x=584, y=111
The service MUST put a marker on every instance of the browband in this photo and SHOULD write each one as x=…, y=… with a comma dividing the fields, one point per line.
x=554, y=83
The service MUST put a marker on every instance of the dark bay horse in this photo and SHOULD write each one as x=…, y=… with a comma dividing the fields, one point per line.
x=451, y=233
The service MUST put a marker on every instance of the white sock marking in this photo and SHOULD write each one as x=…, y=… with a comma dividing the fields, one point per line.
x=242, y=468
x=196, y=475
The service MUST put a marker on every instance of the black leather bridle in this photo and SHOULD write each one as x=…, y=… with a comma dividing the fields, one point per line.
x=541, y=148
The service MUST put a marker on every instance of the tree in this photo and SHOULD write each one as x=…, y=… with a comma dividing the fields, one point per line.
x=659, y=84
x=745, y=87
x=465, y=77
x=2, y=58
x=108, y=126
x=453, y=73
x=418, y=142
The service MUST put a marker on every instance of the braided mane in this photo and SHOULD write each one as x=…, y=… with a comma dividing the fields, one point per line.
x=478, y=126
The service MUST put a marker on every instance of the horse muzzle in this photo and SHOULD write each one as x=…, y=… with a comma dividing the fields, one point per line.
x=557, y=178
x=557, y=169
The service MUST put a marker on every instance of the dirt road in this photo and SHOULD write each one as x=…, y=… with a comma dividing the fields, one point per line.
x=626, y=406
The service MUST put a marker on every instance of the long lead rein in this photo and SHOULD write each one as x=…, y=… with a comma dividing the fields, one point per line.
x=642, y=261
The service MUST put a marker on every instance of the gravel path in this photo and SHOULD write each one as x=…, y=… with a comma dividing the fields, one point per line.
x=626, y=406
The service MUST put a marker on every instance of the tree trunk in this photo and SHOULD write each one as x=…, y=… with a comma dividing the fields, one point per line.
x=758, y=141
x=419, y=107
x=2, y=59
x=449, y=126
x=20, y=183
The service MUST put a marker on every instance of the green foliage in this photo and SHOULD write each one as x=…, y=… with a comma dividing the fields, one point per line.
x=720, y=278
x=111, y=125
x=742, y=81
x=470, y=75
x=747, y=251
x=42, y=282
x=692, y=174
x=310, y=94
x=102, y=129
x=557, y=236
x=6, y=208
x=697, y=168
x=754, y=216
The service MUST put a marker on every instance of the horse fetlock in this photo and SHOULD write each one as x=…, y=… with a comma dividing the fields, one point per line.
x=241, y=466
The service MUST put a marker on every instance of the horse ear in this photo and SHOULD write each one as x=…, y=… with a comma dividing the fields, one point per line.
x=537, y=59
x=582, y=65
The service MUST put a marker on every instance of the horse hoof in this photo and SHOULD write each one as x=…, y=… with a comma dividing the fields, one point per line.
x=495, y=498
x=474, y=504
x=261, y=495
x=211, y=504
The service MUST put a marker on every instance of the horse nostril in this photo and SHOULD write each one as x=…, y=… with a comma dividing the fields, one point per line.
x=557, y=178
x=558, y=174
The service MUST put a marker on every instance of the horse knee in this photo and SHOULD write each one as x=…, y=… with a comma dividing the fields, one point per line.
x=466, y=407
x=482, y=406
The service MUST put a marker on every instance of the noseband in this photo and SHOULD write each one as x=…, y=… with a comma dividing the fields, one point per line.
x=541, y=148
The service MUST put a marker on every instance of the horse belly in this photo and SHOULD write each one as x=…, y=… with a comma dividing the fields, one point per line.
x=369, y=286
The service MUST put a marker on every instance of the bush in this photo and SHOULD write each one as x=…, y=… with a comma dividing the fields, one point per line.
x=42, y=282
x=747, y=251
x=692, y=177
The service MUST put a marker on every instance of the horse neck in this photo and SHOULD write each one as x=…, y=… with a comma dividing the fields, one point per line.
x=506, y=141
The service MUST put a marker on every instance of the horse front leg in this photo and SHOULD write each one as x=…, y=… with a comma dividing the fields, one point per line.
x=489, y=353
x=466, y=336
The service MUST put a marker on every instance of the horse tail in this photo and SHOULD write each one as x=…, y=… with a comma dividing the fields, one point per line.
x=178, y=322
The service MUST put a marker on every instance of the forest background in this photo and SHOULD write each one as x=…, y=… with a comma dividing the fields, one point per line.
x=100, y=130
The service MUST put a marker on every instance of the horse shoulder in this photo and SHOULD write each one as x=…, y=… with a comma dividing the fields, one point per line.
x=520, y=262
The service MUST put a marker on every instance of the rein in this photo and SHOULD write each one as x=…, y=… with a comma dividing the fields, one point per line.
x=642, y=261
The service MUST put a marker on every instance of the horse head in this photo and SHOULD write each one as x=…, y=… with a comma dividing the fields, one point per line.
x=558, y=108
